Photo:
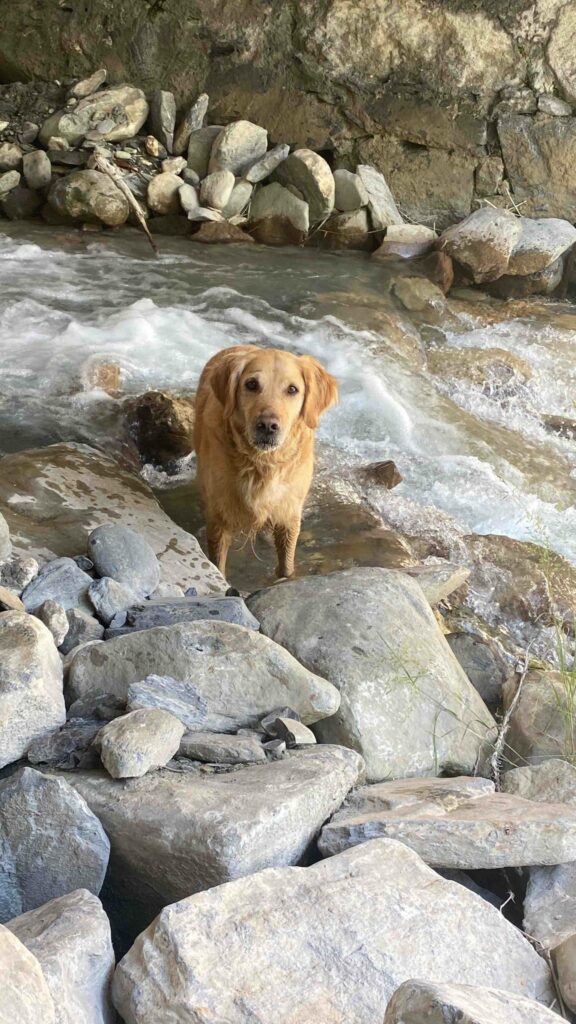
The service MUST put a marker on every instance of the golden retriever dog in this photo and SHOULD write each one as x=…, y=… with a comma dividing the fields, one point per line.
x=256, y=412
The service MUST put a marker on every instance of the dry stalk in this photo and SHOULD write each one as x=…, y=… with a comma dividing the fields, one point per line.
x=103, y=164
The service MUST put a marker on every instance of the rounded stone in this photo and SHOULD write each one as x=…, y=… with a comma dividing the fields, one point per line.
x=125, y=556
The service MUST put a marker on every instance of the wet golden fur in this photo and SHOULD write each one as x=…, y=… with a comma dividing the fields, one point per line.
x=245, y=486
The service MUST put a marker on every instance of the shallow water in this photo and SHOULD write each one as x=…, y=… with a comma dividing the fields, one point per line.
x=474, y=458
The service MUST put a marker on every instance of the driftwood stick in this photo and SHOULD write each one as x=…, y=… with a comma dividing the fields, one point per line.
x=102, y=163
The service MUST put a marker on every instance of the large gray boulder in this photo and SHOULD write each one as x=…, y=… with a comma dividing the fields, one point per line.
x=138, y=742
x=237, y=147
x=238, y=673
x=173, y=834
x=70, y=939
x=483, y=243
x=24, y=994
x=51, y=842
x=309, y=173
x=121, y=111
x=54, y=497
x=372, y=633
x=163, y=117
x=370, y=918
x=125, y=556
x=31, y=697
x=457, y=829
x=218, y=748
x=89, y=196
x=200, y=147
x=417, y=1001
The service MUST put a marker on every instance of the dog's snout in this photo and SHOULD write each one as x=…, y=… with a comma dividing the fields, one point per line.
x=267, y=425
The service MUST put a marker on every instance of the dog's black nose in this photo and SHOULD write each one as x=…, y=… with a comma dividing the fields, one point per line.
x=267, y=426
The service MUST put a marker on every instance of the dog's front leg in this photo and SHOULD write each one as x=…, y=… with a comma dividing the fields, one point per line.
x=285, y=538
x=219, y=539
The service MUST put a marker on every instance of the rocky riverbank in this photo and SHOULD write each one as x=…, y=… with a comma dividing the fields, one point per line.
x=323, y=786
x=101, y=156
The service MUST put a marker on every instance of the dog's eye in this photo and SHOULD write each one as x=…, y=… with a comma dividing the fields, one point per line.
x=292, y=389
x=251, y=384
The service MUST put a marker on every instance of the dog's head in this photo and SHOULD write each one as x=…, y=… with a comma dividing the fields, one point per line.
x=267, y=392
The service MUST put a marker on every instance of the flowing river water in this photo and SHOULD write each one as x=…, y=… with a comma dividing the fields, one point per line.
x=474, y=454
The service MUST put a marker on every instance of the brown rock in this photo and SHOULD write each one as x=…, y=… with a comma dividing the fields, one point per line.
x=350, y=230
x=9, y=601
x=215, y=232
x=385, y=474
x=565, y=426
x=162, y=426
x=540, y=156
x=104, y=377
x=478, y=365
x=438, y=268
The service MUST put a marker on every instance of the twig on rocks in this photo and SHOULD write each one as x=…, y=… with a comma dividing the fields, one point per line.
x=103, y=164
x=502, y=732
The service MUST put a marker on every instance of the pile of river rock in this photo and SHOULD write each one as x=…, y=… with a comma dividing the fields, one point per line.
x=284, y=804
x=232, y=183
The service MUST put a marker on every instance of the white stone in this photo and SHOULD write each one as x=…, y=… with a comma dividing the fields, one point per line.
x=237, y=147
x=311, y=175
x=24, y=995
x=139, y=742
x=381, y=203
x=419, y=1001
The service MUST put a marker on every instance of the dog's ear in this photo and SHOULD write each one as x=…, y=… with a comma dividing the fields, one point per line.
x=225, y=375
x=321, y=390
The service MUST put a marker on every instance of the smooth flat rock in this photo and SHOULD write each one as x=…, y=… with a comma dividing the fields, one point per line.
x=54, y=497
x=239, y=198
x=159, y=612
x=493, y=831
x=86, y=86
x=371, y=918
x=139, y=742
x=483, y=243
x=60, y=580
x=125, y=556
x=418, y=1001
x=196, y=830
x=25, y=996
x=51, y=842
x=371, y=632
x=237, y=147
x=31, y=697
x=238, y=673
x=443, y=794
x=311, y=175
x=219, y=748
x=70, y=939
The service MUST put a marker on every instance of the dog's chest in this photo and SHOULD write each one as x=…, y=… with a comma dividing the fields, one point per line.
x=264, y=497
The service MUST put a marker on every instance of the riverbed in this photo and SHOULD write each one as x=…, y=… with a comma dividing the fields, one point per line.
x=474, y=456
